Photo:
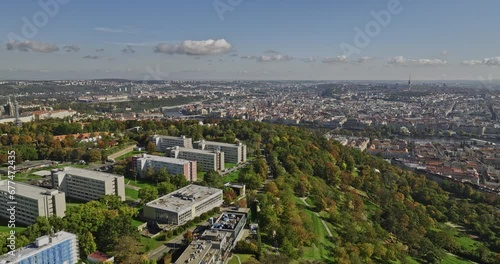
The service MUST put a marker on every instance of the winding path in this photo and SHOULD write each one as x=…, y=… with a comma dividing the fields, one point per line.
x=317, y=214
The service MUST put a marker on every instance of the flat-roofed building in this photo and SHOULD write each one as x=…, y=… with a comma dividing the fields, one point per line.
x=233, y=153
x=216, y=243
x=61, y=247
x=174, y=166
x=206, y=159
x=164, y=142
x=88, y=185
x=185, y=204
x=31, y=202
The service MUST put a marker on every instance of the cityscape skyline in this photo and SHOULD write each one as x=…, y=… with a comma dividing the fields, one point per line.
x=249, y=40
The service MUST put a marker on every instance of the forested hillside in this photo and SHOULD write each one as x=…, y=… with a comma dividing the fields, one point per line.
x=376, y=212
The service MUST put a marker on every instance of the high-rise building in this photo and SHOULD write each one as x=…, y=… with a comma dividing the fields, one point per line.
x=233, y=153
x=87, y=185
x=164, y=142
x=31, y=202
x=174, y=166
x=58, y=248
x=206, y=160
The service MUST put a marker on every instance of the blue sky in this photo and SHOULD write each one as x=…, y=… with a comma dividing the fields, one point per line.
x=248, y=39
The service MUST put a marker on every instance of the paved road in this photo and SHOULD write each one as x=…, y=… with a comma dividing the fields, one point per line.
x=122, y=152
x=173, y=243
x=317, y=214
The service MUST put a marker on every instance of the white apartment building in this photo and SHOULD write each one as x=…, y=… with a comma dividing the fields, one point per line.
x=185, y=204
x=164, y=142
x=233, y=153
x=174, y=166
x=31, y=202
x=206, y=159
x=87, y=185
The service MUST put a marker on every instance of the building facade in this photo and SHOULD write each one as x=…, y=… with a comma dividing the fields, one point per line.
x=164, y=142
x=206, y=159
x=31, y=202
x=58, y=248
x=233, y=153
x=88, y=185
x=174, y=166
x=183, y=205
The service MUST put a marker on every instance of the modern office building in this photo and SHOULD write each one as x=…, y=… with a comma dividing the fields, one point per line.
x=172, y=165
x=185, y=204
x=87, y=185
x=206, y=159
x=233, y=153
x=216, y=243
x=164, y=142
x=31, y=202
x=58, y=248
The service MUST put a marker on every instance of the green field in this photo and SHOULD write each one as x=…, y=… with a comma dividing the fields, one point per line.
x=136, y=223
x=231, y=177
x=141, y=183
x=131, y=193
x=148, y=244
x=4, y=228
x=451, y=259
x=321, y=248
x=243, y=258
x=229, y=165
x=130, y=154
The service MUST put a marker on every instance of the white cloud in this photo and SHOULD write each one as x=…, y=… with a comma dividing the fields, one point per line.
x=339, y=59
x=71, y=48
x=268, y=58
x=493, y=61
x=248, y=57
x=33, y=46
x=308, y=59
x=402, y=61
x=196, y=47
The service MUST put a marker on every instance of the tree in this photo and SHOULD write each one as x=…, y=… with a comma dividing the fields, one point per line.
x=87, y=244
x=165, y=187
x=212, y=179
x=188, y=237
x=148, y=194
x=150, y=147
x=127, y=251
x=229, y=195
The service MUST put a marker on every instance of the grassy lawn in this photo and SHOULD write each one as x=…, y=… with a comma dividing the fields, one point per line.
x=130, y=154
x=4, y=228
x=141, y=183
x=136, y=223
x=229, y=165
x=319, y=250
x=243, y=258
x=131, y=193
x=148, y=244
x=452, y=259
x=231, y=177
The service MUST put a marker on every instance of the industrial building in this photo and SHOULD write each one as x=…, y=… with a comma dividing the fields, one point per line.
x=87, y=185
x=233, y=153
x=174, y=166
x=206, y=159
x=31, y=202
x=61, y=247
x=164, y=142
x=183, y=205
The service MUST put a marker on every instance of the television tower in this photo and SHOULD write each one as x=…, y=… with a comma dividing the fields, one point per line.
x=409, y=83
x=18, y=121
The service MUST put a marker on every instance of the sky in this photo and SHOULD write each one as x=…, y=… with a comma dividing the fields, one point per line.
x=250, y=39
